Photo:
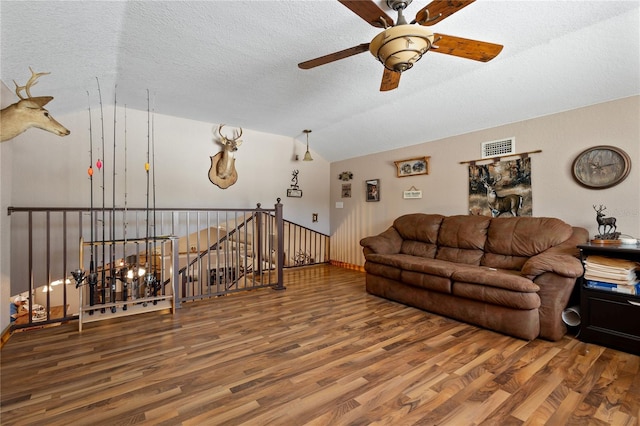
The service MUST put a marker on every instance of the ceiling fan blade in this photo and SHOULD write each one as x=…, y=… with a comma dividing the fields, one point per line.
x=465, y=48
x=437, y=10
x=390, y=80
x=369, y=11
x=331, y=57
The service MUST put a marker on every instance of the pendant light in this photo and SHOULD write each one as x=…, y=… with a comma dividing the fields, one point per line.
x=307, y=155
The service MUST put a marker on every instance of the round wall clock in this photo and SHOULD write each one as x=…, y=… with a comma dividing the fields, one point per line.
x=601, y=167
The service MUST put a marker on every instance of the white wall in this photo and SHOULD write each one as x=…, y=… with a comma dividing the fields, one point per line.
x=561, y=137
x=52, y=171
x=5, y=201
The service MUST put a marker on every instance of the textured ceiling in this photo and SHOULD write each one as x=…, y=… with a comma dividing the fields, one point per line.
x=235, y=62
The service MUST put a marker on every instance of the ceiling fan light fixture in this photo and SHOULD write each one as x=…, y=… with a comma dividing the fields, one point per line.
x=399, y=47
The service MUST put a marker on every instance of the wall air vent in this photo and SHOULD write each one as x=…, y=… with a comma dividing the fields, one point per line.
x=499, y=148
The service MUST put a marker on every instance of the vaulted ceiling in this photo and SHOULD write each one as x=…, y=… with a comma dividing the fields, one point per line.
x=235, y=62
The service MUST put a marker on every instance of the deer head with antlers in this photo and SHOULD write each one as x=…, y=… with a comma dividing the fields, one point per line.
x=28, y=112
x=223, y=169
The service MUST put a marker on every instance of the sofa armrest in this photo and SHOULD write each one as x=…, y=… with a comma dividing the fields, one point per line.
x=563, y=265
x=562, y=259
x=388, y=242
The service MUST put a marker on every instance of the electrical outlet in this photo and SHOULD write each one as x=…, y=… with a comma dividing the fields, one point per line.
x=314, y=217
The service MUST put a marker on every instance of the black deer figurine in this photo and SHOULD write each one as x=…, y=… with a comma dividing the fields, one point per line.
x=606, y=225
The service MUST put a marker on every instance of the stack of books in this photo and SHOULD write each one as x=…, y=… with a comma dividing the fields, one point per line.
x=618, y=275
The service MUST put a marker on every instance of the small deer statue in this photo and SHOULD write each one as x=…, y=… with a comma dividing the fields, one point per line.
x=498, y=205
x=223, y=169
x=28, y=112
x=606, y=225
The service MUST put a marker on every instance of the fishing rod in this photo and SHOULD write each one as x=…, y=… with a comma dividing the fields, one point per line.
x=99, y=165
x=153, y=174
x=149, y=276
x=112, y=248
x=93, y=277
x=125, y=284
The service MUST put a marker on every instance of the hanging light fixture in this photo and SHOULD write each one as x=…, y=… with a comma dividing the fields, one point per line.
x=401, y=46
x=307, y=155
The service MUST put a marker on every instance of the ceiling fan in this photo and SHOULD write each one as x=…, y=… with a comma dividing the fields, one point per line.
x=402, y=44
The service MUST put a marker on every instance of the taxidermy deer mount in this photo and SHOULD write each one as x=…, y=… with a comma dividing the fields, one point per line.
x=28, y=112
x=223, y=165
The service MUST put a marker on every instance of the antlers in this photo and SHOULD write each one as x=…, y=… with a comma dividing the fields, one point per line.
x=599, y=209
x=226, y=139
x=32, y=82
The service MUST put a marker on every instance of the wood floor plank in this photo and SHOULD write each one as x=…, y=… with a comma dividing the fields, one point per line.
x=321, y=352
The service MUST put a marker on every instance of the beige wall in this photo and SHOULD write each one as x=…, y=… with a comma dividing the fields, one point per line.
x=445, y=190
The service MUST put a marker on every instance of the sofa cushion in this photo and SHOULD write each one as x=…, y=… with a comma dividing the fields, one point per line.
x=419, y=227
x=496, y=296
x=525, y=236
x=382, y=270
x=461, y=239
x=427, y=281
x=418, y=248
x=490, y=277
x=503, y=261
x=413, y=263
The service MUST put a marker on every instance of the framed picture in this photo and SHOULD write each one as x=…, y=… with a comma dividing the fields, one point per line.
x=412, y=167
x=373, y=190
x=296, y=193
x=346, y=190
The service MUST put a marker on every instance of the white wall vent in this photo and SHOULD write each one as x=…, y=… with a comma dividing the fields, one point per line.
x=499, y=148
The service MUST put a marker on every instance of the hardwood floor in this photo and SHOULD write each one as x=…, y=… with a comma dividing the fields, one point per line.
x=322, y=352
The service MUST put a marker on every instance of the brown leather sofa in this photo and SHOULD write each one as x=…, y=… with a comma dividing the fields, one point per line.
x=513, y=275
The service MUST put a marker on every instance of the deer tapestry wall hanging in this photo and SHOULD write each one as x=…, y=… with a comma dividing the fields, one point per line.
x=28, y=112
x=223, y=165
x=501, y=189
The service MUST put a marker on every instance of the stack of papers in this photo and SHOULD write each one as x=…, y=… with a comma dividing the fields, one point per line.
x=617, y=275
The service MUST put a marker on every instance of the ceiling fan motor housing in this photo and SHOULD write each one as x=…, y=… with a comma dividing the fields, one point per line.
x=399, y=47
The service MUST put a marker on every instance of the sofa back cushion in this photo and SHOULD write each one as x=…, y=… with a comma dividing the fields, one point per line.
x=525, y=236
x=462, y=239
x=419, y=232
x=417, y=248
x=419, y=227
x=503, y=261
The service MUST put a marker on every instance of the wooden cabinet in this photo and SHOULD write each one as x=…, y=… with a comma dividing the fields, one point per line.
x=608, y=318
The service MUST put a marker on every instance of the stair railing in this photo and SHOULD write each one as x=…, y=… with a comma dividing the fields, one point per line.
x=45, y=249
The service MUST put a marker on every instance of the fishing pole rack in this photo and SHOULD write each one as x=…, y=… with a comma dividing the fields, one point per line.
x=131, y=284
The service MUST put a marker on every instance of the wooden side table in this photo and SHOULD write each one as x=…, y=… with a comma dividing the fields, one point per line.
x=608, y=318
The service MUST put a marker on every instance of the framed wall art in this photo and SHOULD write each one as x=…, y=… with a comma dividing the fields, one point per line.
x=346, y=190
x=373, y=190
x=412, y=166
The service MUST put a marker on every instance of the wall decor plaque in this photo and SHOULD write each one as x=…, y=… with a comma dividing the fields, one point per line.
x=412, y=166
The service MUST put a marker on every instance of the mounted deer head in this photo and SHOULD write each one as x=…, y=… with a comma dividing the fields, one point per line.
x=28, y=112
x=223, y=170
